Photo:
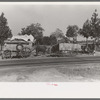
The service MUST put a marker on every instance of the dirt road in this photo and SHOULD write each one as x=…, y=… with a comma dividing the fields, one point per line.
x=51, y=73
x=44, y=61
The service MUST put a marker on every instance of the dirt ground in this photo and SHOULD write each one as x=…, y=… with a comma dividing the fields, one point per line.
x=51, y=73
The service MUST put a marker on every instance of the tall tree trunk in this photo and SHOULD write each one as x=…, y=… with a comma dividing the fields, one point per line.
x=86, y=41
x=74, y=39
x=1, y=47
x=69, y=39
x=95, y=43
x=87, y=44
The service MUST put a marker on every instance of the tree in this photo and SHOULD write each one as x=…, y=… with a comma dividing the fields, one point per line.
x=53, y=40
x=95, y=27
x=56, y=36
x=35, y=30
x=5, y=31
x=58, y=33
x=72, y=31
x=86, y=30
x=46, y=40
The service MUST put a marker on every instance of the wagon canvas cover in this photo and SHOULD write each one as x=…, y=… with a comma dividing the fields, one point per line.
x=11, y=45
x=69, y=46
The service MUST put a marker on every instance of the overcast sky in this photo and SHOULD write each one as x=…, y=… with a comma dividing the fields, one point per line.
x=49, y=16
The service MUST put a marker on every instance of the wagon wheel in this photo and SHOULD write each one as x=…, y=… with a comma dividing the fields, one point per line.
x=26, y=52
x=6, y=54
x=19, y=47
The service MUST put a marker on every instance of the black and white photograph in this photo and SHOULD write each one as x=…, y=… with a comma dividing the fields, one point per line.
x=58, y=42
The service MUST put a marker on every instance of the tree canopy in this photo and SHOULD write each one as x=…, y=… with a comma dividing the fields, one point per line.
x=5, y=31
x=46, y=40
x=72, y=31
x=86, y=29
x=58, y=33
x=55, y=36
x=95, y=25
x=53, y=40
x=35, y=30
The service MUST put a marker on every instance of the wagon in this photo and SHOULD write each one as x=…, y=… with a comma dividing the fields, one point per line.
x=65, y=49
x=16, y=48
